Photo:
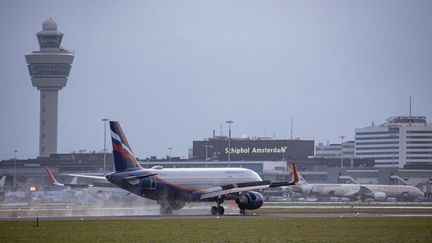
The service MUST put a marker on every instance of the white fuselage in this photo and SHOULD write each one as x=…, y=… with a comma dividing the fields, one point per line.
x=349, y=190
x=330, y=190
x=395, y=191
x=204, y=178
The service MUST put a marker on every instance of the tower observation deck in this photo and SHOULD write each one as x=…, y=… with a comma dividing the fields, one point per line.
x=49, y=69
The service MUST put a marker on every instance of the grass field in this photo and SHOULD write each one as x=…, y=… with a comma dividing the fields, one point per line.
x=418, y=229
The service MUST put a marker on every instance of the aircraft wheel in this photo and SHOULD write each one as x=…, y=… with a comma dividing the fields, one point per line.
x=165, y=210
x=221, y=210
x=243, y=211
x=214, y=210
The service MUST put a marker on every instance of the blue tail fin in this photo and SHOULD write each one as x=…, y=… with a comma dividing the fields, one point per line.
x=124, y=159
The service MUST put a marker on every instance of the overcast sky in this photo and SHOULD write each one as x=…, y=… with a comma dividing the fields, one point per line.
x=172, y=71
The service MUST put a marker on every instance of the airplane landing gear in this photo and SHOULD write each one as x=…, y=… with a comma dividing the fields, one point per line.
x=218, y=210
x=165, y=209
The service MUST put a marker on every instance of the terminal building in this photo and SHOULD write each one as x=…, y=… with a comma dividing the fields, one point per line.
x=346, y=150
x=403, y=141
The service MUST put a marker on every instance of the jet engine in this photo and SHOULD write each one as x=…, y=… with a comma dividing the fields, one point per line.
x=250, y=200
x=380, y=196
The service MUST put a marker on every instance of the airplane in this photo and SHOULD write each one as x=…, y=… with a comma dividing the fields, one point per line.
x=358, y=191
x=2, y=193
x=102, y=191
x=68, y=195
x=310, y=190
x=172, y=188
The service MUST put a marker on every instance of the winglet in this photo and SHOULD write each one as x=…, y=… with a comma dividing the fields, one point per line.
x=295, y=174
x=51, y=177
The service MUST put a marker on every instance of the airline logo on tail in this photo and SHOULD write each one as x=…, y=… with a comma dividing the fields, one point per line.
x=124, y=159
x=51, y=178
x=296, y=176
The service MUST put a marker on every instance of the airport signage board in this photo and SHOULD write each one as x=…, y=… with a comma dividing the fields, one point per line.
x=256, y=150
x=252, y=150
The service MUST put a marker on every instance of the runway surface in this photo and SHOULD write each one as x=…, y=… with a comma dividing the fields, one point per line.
x=150, y=212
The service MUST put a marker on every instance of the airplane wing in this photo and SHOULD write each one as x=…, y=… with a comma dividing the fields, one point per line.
x=103, y=178
x=248, y=186
x=364, y=190
x=352, y=192
x=235, y=188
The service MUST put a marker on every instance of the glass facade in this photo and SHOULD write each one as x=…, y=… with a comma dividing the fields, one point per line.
x=49, y=41
x=49, y=69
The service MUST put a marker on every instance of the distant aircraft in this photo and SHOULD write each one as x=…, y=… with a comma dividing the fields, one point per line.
x=358, y=191
x=173, y=188
x=68, y=195
x=102, y=191
x=310, y=190
x=2, y=192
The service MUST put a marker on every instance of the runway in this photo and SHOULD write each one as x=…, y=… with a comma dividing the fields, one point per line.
x=226, y=216
x=201, y=211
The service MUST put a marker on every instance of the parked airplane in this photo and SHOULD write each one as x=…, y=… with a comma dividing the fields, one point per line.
x=358, y=191
x=2, y=192
x=173, y=188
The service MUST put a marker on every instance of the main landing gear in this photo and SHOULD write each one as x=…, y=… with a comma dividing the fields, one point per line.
x=218, y=210
x=165, y=208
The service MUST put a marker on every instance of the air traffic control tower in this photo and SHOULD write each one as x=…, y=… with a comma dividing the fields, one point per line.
x=49, y=69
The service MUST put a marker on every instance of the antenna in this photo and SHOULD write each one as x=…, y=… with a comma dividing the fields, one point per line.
x=221, y=129
x=291, y=128
x=410, y=106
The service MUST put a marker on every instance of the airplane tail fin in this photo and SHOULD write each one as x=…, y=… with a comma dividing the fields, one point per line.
x=124, y=159
x=2, y=181
x=296, y=175
x=51, y=178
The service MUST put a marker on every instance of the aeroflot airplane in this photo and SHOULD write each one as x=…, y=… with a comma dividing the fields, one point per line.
x=173, y=188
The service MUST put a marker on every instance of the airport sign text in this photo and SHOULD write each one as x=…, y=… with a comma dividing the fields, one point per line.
x=255, y=150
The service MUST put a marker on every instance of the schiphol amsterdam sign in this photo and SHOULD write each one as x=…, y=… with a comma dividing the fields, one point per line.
x=255, y=150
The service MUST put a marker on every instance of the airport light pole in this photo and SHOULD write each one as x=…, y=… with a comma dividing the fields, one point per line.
x=342, y=138
x=206, y=154
x=14, y=179
x=104, y=150
x=229, y=141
